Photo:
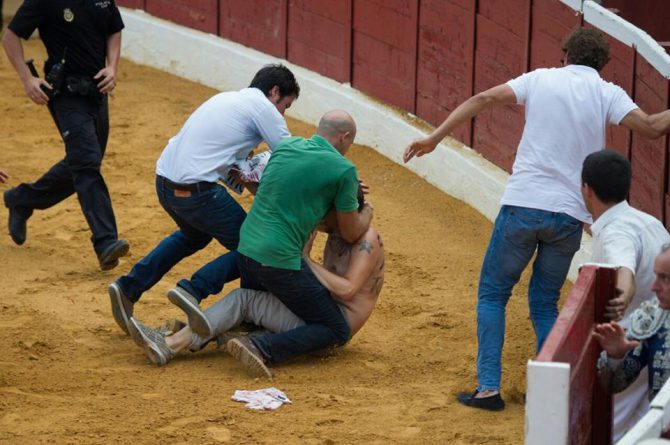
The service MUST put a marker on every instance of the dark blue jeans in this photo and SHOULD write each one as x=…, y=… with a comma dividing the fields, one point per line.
x=204, y=215
x=518, y=233
x=84, y=125
x=306, y=297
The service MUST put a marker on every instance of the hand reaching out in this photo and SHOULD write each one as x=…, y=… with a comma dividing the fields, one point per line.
x=612, y=339
x=418, y=148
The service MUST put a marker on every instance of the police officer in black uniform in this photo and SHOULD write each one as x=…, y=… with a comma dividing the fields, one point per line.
x=83, y=43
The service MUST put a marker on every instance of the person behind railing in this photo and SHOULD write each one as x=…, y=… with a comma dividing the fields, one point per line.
x=644, y=344
x=630, y=239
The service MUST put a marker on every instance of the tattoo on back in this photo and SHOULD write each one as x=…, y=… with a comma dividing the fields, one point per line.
x=365, y=245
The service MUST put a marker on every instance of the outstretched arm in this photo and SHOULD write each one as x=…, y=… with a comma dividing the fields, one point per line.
x=649, y=125
x=499, y=95
x=612, y=339
x=364, y=255
x=622, y=360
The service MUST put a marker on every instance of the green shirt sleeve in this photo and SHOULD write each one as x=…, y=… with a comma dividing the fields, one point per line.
x=346, y=199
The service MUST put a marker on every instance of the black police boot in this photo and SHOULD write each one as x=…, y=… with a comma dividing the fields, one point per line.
x=18, y=217
x=109, y=258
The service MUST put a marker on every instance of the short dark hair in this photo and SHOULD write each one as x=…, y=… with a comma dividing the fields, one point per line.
x=608, y=173
x=587, y=47
x=276, y=74
x=361, y=197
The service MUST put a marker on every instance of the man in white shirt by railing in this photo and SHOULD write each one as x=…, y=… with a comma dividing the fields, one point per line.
x=630, y=239
x=567, y=111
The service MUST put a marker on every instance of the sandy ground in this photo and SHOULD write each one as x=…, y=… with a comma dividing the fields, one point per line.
x=69, y=375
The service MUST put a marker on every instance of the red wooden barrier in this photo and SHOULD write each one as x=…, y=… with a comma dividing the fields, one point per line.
x=649, y=157
x=196, y=14
x=259, y=24
x=319, y=36
x=384, y=50
x=570, y=341
x=651, y=15
x=620, y=71
x=427, y=56
x=551, y=22
x=445, y=60
x=501, y=54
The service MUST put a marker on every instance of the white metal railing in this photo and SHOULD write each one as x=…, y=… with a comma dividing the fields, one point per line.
x=654, y=423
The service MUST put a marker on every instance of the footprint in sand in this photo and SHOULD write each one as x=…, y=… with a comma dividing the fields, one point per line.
x=220, y=434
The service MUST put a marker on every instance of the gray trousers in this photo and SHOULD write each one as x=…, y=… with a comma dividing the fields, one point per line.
x=245, y=305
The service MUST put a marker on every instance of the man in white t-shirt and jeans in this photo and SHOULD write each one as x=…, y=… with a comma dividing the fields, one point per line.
x=567, y=112
x=220, y=132
x=628, y=238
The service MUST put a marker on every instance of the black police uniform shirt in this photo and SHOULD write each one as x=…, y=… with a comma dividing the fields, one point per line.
x=81, y=26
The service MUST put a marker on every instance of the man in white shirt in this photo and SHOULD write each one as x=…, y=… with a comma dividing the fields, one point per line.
x=628, y=238
x=567, y=112
x=220, y=132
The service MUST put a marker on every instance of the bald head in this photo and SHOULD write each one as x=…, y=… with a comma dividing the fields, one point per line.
x=338, y=128
x=661, y=285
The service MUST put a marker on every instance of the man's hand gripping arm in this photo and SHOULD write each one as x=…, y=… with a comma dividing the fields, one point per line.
x=364, y=255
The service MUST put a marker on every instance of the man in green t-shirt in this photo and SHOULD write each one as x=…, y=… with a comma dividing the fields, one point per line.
x=304, y=179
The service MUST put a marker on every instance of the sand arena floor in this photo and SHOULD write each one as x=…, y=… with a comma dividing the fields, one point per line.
x=68, y=375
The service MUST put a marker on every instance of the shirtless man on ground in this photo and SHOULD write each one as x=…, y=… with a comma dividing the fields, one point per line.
x=353, y=273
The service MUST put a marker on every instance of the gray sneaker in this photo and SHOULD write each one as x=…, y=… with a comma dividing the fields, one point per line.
x=122, y=307
x=197, y=319
x=152, y=343
x=243, y=349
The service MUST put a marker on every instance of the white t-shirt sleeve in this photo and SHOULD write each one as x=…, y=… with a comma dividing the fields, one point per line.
x=271, y=126
x=620, y=250
x=620, y=104
x=520, y=86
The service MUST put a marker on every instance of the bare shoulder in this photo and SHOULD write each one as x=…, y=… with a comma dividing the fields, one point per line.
x=371, y=242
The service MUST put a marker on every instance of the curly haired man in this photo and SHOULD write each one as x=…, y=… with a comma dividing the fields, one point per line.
x=567, y=111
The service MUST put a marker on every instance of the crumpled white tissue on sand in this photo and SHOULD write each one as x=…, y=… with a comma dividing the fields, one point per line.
x=261, y=399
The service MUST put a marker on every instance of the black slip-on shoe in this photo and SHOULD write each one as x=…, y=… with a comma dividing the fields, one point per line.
x=490, y=403
x=109, y=258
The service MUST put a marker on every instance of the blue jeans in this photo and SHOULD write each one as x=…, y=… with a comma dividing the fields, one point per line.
x=518, y=233
x=306, y=297
x=204, y=215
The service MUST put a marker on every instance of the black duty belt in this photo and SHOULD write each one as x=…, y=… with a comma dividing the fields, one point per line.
x=194, y=187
